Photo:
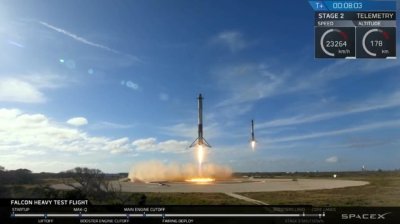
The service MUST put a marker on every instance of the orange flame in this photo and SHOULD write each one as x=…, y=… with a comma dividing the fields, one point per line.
x=201, y=180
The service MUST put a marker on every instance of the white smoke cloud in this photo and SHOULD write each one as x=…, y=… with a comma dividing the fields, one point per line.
x=156, y=170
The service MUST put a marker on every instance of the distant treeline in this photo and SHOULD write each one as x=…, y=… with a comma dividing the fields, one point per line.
x=69, y=174
x=85, y=183
x=14, y=177
x=25, y=176
x=20, y=176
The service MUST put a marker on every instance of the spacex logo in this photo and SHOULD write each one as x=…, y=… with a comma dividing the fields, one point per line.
x=366, y=216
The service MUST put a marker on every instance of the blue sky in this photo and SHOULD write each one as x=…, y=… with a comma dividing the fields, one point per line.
x=108, y=84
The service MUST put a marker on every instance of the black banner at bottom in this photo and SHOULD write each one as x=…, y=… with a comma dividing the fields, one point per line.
x=79, y=211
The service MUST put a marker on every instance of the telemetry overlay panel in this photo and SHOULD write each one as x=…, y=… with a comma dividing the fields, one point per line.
x=355, y=29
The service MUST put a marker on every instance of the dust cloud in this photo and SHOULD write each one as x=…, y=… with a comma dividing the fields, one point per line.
x=155, y=170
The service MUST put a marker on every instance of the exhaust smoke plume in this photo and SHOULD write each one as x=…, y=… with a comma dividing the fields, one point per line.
x=158, y=171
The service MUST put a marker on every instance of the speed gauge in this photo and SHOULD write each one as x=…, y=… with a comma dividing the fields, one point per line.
x=335, y=42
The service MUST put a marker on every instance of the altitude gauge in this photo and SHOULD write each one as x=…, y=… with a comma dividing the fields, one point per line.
x=335, y=42
x=376, y=42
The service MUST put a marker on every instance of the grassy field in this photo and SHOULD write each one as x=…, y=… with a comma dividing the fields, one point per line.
x=383, y=190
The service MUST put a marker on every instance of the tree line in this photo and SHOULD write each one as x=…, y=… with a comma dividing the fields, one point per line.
x=85, y=183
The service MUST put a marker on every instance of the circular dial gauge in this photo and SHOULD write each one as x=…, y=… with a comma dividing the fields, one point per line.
x=376, y=42
x=330, y=44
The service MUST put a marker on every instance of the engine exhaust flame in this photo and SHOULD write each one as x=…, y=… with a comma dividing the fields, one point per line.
x=201, y=180
x=200, y=154
x=253, y=145
x=200, y=157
